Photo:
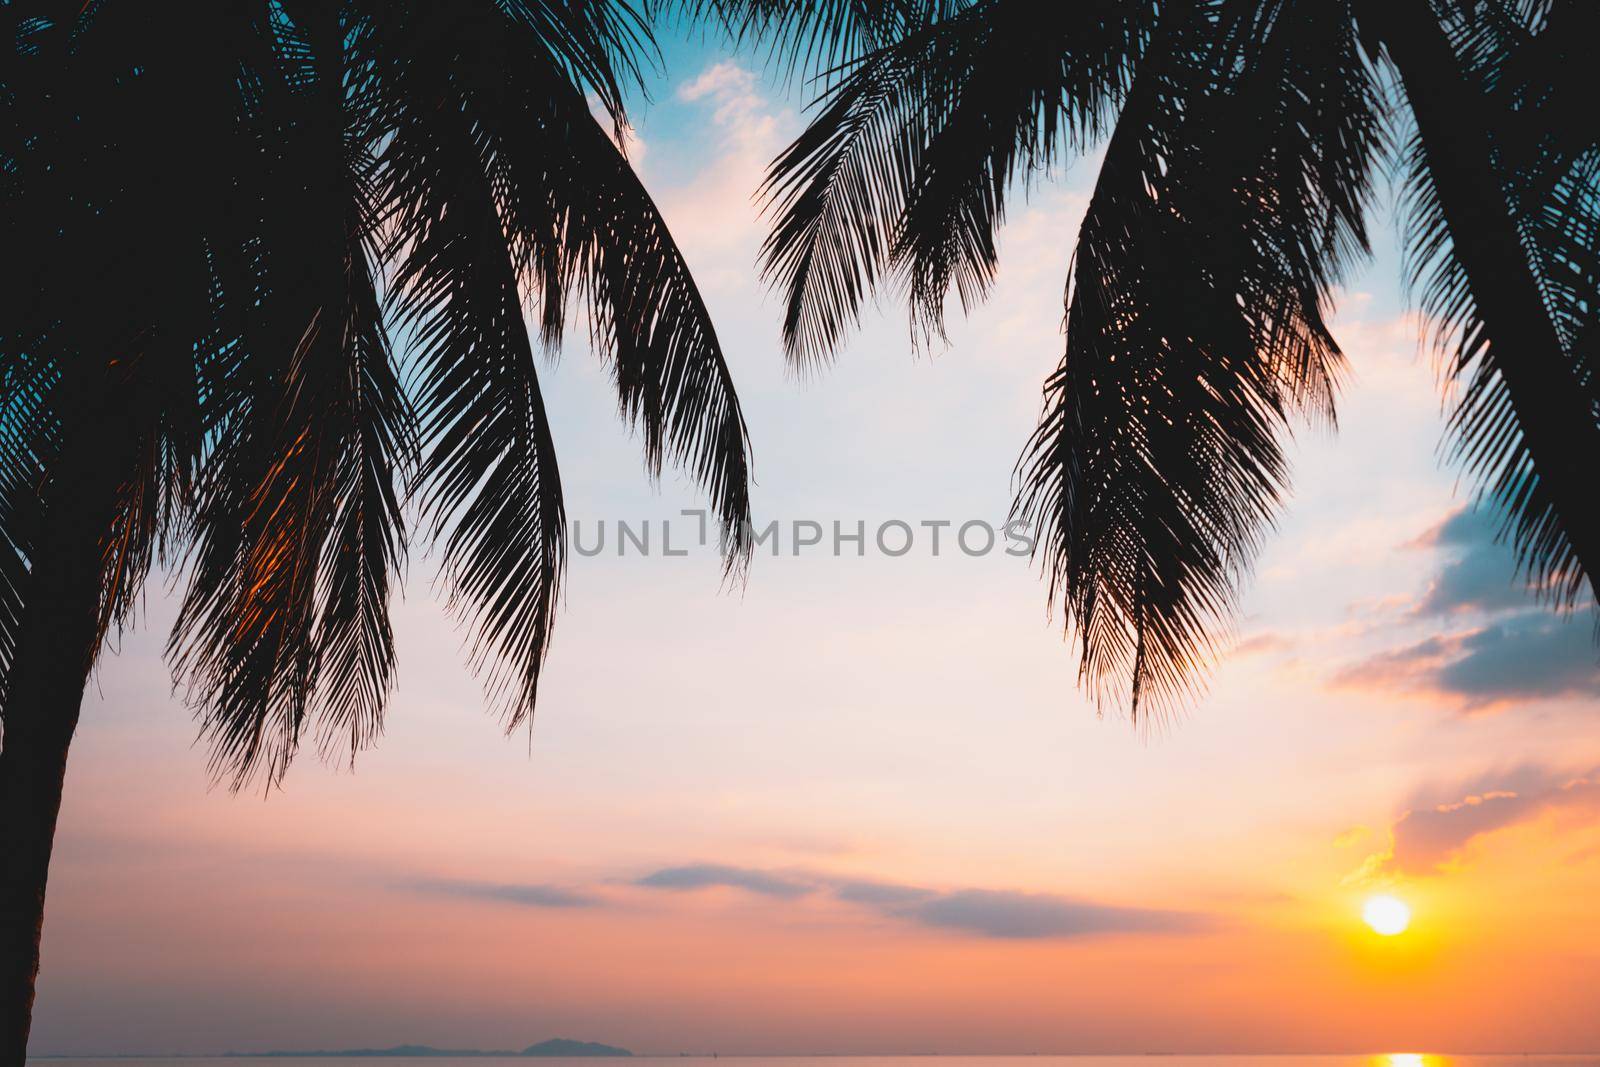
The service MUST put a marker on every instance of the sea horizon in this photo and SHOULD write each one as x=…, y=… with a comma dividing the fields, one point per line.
x=1388, y=1058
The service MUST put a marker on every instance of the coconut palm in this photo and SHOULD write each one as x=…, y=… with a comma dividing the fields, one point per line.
x=266, y=275
x=1241, y=141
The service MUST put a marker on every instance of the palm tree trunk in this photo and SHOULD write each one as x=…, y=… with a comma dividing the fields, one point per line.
x=1551, y=407
x=60, y=634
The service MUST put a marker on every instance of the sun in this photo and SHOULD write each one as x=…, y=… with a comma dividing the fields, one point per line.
x=1386, y=915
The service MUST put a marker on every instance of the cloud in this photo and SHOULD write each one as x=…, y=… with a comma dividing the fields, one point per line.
x=992, y=913
x=1507, y=648
x=709, y=875
x=1524, y=657
x=1262, y=644
x=714, y=214
x=1532, y=656
x=1481, y=574
x=731, y=88
x=881, y=894
x=1007, y=914
x=1348, y=837
x=530, y=895
x=1425, y=839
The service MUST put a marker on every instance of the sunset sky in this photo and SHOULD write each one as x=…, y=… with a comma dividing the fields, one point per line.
x=858, y=804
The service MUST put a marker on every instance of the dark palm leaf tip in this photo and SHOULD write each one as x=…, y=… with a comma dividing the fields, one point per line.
x=1194, y=332
x=1547, y=158
x=286, y=618
x=447, y=156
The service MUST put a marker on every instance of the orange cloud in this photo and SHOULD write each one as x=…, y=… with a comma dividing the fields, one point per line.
x=1424, y=840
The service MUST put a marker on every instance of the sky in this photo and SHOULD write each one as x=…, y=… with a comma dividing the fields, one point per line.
x=857, y=803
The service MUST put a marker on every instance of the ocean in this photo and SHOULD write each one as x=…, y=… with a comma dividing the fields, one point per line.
x=1384, y=1059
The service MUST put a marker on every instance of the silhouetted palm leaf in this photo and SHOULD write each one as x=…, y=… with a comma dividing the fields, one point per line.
x=298, y=521
x=903, y=173
x=1519, y=59
x=370, y=166
x=1194, y=330
x=817, y=37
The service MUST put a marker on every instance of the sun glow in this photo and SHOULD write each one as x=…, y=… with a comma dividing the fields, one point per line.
x=1409, y=1059
x=1386, y=915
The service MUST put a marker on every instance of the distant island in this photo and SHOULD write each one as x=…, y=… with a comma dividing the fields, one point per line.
x=556, y=1046
x=561, y=1046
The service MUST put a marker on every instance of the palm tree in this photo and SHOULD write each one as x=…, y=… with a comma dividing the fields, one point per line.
x=267, y=268
x=1241, y=141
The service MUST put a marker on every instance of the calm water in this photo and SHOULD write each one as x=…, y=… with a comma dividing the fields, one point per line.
x=1393, y=1059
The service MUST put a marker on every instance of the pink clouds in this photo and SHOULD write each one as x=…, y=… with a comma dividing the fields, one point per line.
x=1424, y=840
x=715, y=216
x=1262, y=644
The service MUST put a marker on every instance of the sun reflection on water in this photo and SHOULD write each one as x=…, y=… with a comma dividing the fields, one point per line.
x=1409, y=1059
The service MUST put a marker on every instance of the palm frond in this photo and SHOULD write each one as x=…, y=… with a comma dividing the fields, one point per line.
x=596, y=47
x=1229, y=200
x=29, y=442
x=368, y=164
x=488, y=480
x=297, y=523
x=299, y=532
x=580, y=224
x=997, y=119
x=647, y=315
x=507, y=185
x=906, y=166
x=821, y=38
x=1511, y=299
